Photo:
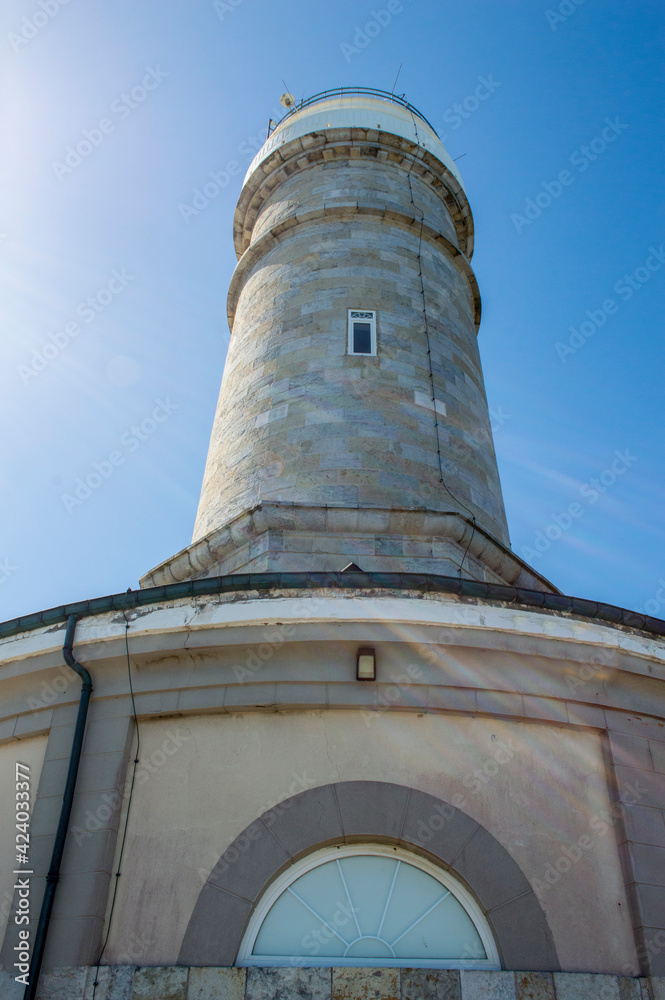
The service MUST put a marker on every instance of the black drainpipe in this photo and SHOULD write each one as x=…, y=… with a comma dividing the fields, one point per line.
x=59, y=845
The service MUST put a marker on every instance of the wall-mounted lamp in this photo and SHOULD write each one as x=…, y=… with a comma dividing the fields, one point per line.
x=366, y=664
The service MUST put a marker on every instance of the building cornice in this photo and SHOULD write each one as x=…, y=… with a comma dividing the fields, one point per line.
x=253, y=586
x=258, y=249
x=350, y=143
x=483, y=551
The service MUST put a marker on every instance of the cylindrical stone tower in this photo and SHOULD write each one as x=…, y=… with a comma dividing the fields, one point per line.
x=352, y=423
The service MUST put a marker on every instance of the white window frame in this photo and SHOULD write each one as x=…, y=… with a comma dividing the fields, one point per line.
x=288, y=877
x=363, y=316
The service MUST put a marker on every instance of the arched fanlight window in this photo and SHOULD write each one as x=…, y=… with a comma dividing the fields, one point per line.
x=368, y=904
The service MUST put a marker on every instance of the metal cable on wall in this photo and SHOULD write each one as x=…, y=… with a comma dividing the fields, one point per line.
x=421, y=213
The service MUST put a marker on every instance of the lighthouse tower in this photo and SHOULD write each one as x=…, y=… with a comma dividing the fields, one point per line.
x=346, y=744
x=352, y=423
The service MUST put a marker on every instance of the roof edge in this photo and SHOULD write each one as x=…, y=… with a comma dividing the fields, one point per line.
x=531, y=600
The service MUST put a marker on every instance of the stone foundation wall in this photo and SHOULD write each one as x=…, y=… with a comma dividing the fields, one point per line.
x=181, y=983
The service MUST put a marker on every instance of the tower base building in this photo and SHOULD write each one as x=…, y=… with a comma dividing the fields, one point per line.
x=346, y=744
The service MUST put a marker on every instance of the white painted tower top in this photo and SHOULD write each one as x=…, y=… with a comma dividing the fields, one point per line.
x=356, y=108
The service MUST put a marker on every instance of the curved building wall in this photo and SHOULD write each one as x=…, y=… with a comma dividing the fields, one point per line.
x=545, y=732
x=477, y=766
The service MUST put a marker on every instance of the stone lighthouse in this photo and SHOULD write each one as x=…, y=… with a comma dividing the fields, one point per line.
x=352, y=424
x=346, y=744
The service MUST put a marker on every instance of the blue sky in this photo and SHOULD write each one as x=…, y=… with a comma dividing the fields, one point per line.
x=561, y=158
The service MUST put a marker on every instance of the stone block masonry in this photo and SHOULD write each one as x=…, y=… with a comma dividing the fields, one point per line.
x=338, y=219
x=334, y=217
x=279, y=446
x=295, y=983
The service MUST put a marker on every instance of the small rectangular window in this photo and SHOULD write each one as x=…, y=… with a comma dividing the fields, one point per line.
x=362, y=332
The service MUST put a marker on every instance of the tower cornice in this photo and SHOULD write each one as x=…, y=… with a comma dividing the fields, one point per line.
x=248, y=540
x=260, y=246
x=343, y=144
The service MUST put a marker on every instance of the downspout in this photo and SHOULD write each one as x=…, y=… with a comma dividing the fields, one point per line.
x=61, y=834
